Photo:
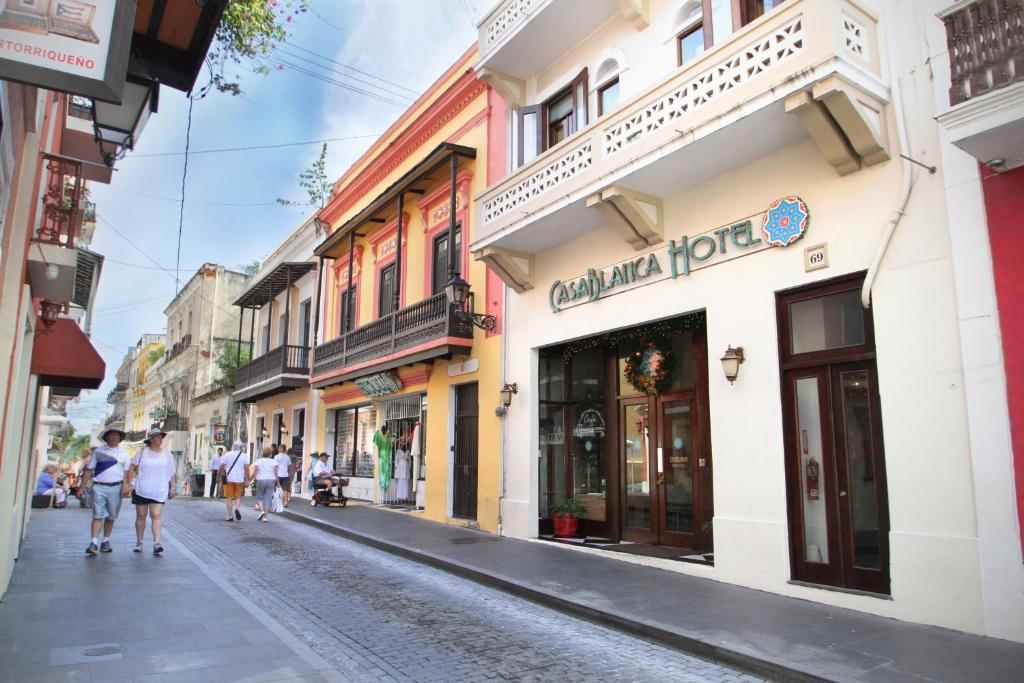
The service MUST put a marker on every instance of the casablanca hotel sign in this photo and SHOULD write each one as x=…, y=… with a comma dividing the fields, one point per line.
x=783, y=223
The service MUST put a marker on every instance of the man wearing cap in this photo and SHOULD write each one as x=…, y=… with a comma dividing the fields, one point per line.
x=106, y=471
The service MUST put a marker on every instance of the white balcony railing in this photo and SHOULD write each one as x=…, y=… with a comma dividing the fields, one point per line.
x=800, y=43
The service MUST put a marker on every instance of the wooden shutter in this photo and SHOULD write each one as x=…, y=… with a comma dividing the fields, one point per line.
x=530, y=126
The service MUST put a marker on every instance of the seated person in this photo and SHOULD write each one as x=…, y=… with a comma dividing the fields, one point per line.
x=322, y=475
x=46, y=484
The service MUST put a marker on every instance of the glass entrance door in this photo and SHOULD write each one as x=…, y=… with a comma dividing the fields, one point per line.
x=679, y=514
x=638, y=472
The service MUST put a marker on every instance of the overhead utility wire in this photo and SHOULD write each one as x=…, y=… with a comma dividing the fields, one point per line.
x=178, y=199
x=320, y=77
x=139, y=249
x=255, y=147
x=293, y=55
x=415, y=93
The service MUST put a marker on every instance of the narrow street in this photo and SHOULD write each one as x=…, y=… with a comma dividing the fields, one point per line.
x=374, y=616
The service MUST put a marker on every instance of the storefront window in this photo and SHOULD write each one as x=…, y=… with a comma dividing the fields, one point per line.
x=344, y=444
x=572, y=432
x=366, y=425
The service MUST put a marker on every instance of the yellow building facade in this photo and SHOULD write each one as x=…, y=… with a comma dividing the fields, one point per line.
x=420, y=351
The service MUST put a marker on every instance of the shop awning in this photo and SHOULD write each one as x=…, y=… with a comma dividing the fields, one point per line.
x=336, y=245
x=63, y=356
x=273, y=283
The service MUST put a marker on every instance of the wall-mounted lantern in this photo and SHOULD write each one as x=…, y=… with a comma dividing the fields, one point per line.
x=731, y=362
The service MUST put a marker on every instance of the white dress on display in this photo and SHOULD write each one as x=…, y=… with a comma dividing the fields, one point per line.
x=402, y=474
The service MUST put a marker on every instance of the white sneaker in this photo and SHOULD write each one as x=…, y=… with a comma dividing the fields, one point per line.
x=138, y=547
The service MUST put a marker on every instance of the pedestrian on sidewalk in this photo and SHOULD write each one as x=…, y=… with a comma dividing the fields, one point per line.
x=46, y=485
x=232, y=473
x=105, y=472
x=285, y=472
x=265, y=471
x=215, y=471
x=152, y=478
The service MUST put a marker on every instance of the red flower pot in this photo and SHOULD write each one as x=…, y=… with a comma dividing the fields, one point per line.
x=565, y=525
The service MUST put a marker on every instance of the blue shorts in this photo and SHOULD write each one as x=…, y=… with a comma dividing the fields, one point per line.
x=106, y=501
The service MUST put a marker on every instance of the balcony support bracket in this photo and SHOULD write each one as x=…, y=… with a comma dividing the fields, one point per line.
x=824, y=131
x=637, y=12
x=510, y=88
x=637, y=217
x=515, y=268
x=860, y=116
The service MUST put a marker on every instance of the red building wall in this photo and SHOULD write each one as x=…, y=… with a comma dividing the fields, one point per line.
x=1004, y=206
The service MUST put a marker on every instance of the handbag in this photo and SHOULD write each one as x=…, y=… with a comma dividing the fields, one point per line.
x=277, y=505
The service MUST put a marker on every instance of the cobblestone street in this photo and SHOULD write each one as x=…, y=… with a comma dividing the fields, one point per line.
x=374, y=616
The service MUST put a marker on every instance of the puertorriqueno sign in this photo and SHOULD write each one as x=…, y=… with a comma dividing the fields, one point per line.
x=782, y=223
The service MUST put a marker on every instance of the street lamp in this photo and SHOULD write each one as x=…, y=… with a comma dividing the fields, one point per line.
x=461, y=301
x=117, y=126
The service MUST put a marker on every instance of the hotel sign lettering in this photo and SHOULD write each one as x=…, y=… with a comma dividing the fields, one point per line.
x=782, y=224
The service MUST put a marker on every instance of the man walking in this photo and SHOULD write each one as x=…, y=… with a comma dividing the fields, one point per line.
x=214, y=470
x=233, y=466
x=285, y=473
x=105, y=470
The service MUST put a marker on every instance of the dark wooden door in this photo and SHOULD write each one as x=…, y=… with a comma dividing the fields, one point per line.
x=681, y=454
x=836, y=476
x=386, y=291
x=467, y=420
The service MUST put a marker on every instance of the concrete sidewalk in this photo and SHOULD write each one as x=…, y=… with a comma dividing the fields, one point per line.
x=128, y=616
x=772, y=635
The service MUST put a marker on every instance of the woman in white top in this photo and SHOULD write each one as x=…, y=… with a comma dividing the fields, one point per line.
x=265, y=472
x=152, y=477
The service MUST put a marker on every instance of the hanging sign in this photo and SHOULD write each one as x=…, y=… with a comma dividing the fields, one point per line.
x=219, y=435
x=380, y=384
x=781, y=224
x=68, y=45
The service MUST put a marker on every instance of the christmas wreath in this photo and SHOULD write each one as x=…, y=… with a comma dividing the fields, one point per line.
x=649, y=368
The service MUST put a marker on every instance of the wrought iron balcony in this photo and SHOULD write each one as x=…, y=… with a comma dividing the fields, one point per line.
x=277, y=371
x=986, y=47
x=425, y=330
x=179, y=347
x=175, y=424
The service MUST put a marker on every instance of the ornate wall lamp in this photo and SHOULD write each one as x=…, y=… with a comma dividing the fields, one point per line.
x=461, y=299
x=731, y=362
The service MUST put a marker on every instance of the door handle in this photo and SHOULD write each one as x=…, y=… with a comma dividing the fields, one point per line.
x=661, y=464
x=842, y=493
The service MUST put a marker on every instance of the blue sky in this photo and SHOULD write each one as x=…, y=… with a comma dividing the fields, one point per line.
x=231, y=216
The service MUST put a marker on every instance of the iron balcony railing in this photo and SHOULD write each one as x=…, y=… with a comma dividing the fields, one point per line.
x=986, y=47
x=61, y=219
x=178, y=347
x=284, y=360
x=404, y=329
x=175, y=424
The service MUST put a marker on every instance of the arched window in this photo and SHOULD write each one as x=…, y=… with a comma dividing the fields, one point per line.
x=608, y=84
x=692, y=36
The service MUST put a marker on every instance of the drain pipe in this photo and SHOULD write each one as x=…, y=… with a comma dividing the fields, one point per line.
x=907, y=184
x=504, y=419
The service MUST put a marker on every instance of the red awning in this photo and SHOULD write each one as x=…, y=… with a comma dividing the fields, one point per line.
x=63, y=357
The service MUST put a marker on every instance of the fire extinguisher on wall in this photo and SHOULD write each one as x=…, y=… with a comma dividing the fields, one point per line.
x=811, y=475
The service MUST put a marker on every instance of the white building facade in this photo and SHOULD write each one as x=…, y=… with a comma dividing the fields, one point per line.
x=690, y=181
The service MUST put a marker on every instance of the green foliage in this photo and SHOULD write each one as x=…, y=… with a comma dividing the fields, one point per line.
x=569, y=506
x=76, y=446
x=248, y=32
x=228, y=362
x=250, y=268
x=156, y=354
x=315, y=182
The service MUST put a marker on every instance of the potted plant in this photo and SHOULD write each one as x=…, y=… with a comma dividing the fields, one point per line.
x=565, y=516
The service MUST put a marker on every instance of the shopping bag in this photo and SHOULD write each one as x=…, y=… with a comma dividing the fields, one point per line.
x=277, y=505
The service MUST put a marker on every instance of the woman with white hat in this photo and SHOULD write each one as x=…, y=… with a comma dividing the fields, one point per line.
x=152, y=477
